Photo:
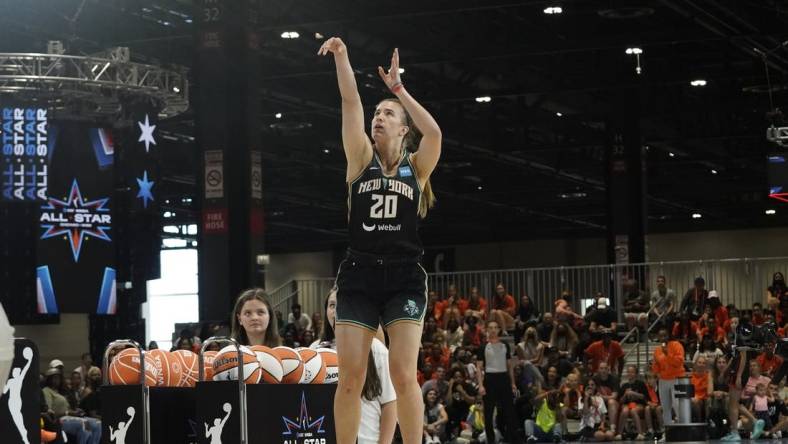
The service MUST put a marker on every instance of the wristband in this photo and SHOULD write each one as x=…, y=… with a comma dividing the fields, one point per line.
x=397, y=87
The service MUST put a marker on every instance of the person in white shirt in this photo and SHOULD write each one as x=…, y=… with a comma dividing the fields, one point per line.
x=378, y=399
x=301, y=320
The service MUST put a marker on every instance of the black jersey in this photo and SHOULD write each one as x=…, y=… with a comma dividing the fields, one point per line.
x=383, y=211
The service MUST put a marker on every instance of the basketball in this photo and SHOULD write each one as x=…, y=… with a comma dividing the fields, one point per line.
x=207, y=364
x=225, y=365
x=292, y=365
x=186, y=361
x=168, y=374
x=329, y=356
x=125, y=368
x=270, y=364
x=314, y=367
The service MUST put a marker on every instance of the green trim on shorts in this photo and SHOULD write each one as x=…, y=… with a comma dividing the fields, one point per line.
x=358, y=324
x=411, y=320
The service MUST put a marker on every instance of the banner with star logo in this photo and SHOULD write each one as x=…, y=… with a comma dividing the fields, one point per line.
x=76, y=250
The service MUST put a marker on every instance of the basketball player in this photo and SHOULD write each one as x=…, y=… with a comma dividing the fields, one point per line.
x=381, y=280
x=253, y=322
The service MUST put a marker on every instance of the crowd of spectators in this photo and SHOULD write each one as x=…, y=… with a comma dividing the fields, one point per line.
x=568, y=366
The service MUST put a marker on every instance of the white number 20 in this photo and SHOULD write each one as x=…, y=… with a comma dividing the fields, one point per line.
x=383, y=207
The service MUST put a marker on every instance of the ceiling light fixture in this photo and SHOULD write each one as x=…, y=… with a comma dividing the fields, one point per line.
x=770, y=212
x=290, y=35
x=278, y=115
x=714, y=171
x=698, y=82
x=636, y=52
x=696, y=215
x=559, y=114
x=483, y=99
x=671, y=154
x=550, y=10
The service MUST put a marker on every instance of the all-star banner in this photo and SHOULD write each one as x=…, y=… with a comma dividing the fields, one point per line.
x=75, y=251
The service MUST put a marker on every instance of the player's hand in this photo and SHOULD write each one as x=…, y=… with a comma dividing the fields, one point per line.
x=334, y=45
x=482, y=391
x=391, y=77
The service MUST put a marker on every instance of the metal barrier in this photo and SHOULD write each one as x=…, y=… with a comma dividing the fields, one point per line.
x=740, y=281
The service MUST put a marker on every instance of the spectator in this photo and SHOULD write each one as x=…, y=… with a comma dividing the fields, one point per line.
x=430, y=328
x=73, y=392
x=545, y=328
x=527, y=314
x=91, y=402
x=477, y=305
x=718, y=385
x=608, y=386
x=707, y=348
x=777, y=297
x=778, y=411
x=606, y=350
x=461, y=396
x=718, y=311
x=634, y=397
x=686, y=331
x=757, y=317
x=565, y=313
x=87, y=431
x=554, y=359
x=153, y=345
x=547, y=426
x=760, y=410
x=694, y=300
x=603, y=319
x=531, y=350
x=473, y=333
x=756, y=377
x=768, y=361
x=301, y=320
x=317, y=323
x=86, y=363
x=571, y=398
x=663, y=301
x=653, y=411
x=438, y=383
x=636, y=306
x=307, y=337
x=712, y=329
x=700, y=381
x=564, y=339
x=503, y=308
x=438, y=357
x=453, y=335
x=668, y=365
x=435, y=418
x=183, y=344
x=552, y=380
x=592, y=421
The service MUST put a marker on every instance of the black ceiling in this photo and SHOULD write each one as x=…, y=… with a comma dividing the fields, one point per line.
x=511, y=168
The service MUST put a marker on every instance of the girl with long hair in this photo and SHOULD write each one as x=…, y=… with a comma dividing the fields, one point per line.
x=252, y=321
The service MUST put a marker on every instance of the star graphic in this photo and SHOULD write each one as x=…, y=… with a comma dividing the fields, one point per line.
x=76, y=232
x=145, y=189
x=302, y=424
x=146, y=133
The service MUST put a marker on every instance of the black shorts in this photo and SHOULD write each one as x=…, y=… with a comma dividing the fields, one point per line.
x=373, y=290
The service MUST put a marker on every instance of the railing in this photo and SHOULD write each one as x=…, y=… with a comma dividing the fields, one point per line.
x=739, y=281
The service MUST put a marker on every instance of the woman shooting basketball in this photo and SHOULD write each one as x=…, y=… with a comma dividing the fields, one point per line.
x=381, y=280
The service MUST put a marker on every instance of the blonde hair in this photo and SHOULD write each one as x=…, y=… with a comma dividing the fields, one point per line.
x=410, y=144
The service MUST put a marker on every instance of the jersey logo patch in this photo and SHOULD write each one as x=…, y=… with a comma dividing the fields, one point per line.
x=366, y=228
x=405, y=171
x=411, y=308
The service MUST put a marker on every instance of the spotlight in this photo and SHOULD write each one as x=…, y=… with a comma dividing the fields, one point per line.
x=698, y=82
x=696, y=215
x=634, y=50
x=479, y=188
x=483, y=99
x=326, y=151
x=553, y=10
x=278, y=115
x=176, y=89
x=290, y=35
x=559, y=114
x=714, y=171
x=770, y=212
x=671, y=154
